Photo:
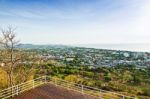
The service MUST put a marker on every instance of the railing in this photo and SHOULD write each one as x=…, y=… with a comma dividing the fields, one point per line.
x=17, y=89
x=95, y=92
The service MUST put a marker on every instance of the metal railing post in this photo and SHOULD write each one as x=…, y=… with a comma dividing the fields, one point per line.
x=17, y=90
x=100, y=94
x=123, y=97
x=45, y=79
x=33, y=84
x=12, y=90
x=82, y=88
x=133, y=98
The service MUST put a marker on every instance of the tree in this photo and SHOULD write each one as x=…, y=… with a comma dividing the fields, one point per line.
x=25, y=70
x=9, y=58
x=126, y=76
x=16, y=62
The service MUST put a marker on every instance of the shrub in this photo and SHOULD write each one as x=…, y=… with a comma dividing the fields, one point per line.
x=146, y=91
x=3, y=79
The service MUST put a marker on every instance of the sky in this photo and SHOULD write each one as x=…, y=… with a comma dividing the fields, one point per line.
x=78, y=21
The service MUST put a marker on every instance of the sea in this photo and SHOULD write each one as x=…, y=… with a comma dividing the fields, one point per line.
x=123, y=47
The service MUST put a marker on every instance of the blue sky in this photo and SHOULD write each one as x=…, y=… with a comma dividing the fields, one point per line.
x=78, y=21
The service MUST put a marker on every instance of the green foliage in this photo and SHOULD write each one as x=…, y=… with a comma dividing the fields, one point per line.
x=71, y=78
x=127, y=76
x=146, y=91
x=3, y=79
x=107, y=78
x=121, y=78
x=136, y=79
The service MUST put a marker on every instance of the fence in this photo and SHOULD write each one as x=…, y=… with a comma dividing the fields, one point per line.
x=95, y=92
x=17, y=89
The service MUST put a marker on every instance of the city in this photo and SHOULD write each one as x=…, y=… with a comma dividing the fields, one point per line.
x=95, y=57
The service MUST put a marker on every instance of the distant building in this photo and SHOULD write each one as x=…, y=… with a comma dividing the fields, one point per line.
x=69, y=58
x=126, y=54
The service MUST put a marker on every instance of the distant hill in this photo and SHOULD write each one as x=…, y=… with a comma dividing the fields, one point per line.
x=34, y=46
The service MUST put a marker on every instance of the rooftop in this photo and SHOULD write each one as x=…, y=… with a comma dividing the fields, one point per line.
x=50, y=91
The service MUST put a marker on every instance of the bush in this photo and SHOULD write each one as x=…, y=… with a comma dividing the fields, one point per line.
x=146, y=92
x=71, y=78
x=3, y=79
x=107, y=78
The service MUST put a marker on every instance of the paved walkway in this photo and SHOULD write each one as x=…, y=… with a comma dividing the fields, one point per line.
x=50, y=91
